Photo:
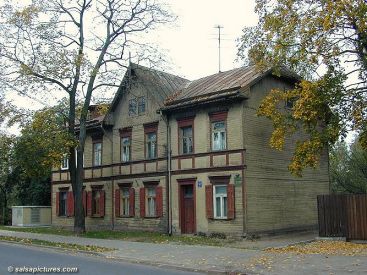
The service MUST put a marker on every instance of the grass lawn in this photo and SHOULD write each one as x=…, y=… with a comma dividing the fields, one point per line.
x=137, y=236
x=90, y=248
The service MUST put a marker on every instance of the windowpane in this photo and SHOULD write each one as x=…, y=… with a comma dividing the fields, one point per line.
x=224, y=206
x=186, y=137
x=220, y=200
x=141, y=105
x=218, y=207
x=125, y=149
x=95, y=202
x=151, y=139
x=151, y=209
x=97, y=152
x=65, y=162
x=132, y=107
x=221, y=190
x=219, y=136
x=125, y=201
x=62, y=203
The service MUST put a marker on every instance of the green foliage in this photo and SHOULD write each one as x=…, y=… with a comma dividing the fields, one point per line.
x=348, y=168
x=325, y=42
x=42, y=144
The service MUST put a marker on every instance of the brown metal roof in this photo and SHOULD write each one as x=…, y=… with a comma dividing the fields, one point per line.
x=220, y=83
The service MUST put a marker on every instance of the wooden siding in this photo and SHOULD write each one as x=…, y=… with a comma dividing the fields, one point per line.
x=275, y=199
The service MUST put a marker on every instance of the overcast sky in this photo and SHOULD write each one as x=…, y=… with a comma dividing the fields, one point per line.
x=193, y=43
x=190, y=45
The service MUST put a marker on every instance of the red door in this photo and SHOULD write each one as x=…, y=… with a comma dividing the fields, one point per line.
x=187, y=209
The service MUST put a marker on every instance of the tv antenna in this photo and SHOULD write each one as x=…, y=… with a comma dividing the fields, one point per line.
x=218, y=27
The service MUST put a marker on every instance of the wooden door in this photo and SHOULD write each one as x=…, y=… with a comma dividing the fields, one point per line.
x=187, y=209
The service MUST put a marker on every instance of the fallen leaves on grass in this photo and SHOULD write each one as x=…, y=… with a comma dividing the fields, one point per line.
x=89, y=248
x=324, y=247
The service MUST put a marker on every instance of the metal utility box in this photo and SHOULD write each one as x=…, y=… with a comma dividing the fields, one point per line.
x=31, y=215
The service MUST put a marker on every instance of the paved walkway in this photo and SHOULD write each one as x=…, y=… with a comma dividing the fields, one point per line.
x=251, y=259
x=203, y=258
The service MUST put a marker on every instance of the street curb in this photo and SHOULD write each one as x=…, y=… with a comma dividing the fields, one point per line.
x=294, y=243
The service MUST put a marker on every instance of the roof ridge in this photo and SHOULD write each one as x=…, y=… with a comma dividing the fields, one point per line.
x=158, y=71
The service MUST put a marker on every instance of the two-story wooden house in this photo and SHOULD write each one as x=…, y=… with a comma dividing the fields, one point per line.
x=181, y=156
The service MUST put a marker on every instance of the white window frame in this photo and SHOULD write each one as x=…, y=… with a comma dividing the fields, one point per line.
x=224, y=141
x=99, y=162
x=65, y=160
x=127, y=157
x=189, y=140
x=125, y=202
x=149, y=144
x=221, y=196
x=151, y=202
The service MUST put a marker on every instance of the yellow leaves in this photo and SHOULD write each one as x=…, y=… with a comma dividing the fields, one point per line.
x=325, y=248
x=277, y=138
x=25, y=15
x=25, y=70
x=307, y=153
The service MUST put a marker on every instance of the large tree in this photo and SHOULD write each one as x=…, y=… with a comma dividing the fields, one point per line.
x=326, y=43
x=74, y=47
x=6, y=148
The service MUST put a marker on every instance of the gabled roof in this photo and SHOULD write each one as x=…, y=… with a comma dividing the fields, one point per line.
x=159, y=84
x=222, y=84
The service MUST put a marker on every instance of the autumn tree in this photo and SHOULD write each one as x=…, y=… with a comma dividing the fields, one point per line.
x=325, y=42
x=6, y=147
x=74, y=48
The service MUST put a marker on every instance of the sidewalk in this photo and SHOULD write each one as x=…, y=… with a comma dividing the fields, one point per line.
x=250, y=259
x=200, y=258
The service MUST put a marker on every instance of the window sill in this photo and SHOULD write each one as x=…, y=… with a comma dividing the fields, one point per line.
x=221, y=219
x=151, y=217
x=124, y=217
x=96, y=216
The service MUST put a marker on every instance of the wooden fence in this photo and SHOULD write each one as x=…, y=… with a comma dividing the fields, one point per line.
x=343, y=216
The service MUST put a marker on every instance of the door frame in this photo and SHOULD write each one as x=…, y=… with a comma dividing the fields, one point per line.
x=181, y=183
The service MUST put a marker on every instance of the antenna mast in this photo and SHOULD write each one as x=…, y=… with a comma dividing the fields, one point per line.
x=219, y=27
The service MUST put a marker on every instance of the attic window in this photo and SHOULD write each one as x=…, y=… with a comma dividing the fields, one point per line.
x=132, y=107
x=141, y=105
x=137, y=106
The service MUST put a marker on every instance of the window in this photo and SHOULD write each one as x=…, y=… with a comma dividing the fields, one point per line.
x=151, y=145
x=141, y=105
x=96, y=196
x=125, y=149
x=186, y=140
x=62, y=203
x=132, y=107
x=97, y=153
x=125, y=201
x=219, y=135
x=65, y=162
x=151, y=201
x=220, y=201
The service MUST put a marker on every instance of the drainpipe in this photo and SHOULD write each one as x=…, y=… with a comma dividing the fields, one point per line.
x=168, y=175
x=113, y=181
x=169, y=178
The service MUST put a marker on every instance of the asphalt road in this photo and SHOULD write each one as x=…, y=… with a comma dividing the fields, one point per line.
x=19, y=256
